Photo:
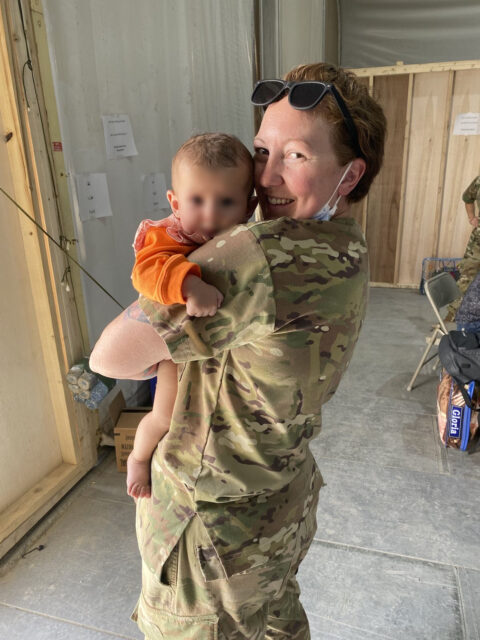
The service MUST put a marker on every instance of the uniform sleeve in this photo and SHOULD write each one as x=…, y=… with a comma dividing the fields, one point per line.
x=161, y=267
x=234, y=263
x=471, y=193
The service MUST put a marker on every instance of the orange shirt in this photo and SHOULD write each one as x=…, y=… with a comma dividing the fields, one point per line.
x=161, y=267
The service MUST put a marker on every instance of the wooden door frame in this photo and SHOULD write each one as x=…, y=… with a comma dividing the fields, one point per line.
x=58, y=312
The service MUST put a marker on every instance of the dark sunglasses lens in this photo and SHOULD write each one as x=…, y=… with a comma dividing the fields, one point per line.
x=306, y=94
x=266, y=92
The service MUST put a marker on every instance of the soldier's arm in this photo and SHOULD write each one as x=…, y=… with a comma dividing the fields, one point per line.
x=471, y=192
x=149, y=332
x=235, y=264
x=470, y=209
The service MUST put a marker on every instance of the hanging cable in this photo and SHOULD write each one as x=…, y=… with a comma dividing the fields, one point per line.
x=28, y=64
x=57, y=244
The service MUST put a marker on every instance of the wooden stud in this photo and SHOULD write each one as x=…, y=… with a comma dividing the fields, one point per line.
x=416, y=68
x=76, y=438
x=358, y=210
x=365, y=201
x=384, y=200
x=53, y=185
x=401, y=206
x=443, y=163
x=32, y=255
x=52, y=206
x=49, y=315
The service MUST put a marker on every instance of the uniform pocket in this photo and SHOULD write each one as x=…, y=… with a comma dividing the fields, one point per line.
x=168, y=574
x=231, y=564
x=159, y=625
x=158, y=533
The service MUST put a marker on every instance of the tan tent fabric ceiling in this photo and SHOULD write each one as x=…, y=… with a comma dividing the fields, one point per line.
x=377, y=33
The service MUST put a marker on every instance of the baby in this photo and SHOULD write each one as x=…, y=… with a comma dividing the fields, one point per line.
x=212, y=180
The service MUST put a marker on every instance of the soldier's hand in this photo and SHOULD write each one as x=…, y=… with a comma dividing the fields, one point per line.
x=474, y=222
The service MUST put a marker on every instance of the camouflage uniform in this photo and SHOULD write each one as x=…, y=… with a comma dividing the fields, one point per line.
x=234, y=484
x=470, y=265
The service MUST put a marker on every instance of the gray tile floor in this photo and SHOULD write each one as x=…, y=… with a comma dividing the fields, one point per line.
x=396, y=553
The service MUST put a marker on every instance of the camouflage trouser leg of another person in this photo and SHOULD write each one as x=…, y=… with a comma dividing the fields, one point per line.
x=468, y=267
x=193, y=602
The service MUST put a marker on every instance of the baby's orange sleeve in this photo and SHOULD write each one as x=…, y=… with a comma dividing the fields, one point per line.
x=161, y=267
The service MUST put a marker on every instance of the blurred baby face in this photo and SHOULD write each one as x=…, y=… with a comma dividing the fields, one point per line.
x=210, y=200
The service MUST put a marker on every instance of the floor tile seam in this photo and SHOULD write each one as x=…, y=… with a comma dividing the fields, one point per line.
x=401, y=364
x=65, y=620
x=440, y=449
x=371, y=634
x=371, y=398
x=373, y=413
x=392, y=554
x=405, y=367
x=461, y=601
x=114, y=500
x=374, y=340
x=114, y=473
x=331, y=635
x=353, y=406
x=387, y=466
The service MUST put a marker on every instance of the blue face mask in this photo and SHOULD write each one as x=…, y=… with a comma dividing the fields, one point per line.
x=327, y=212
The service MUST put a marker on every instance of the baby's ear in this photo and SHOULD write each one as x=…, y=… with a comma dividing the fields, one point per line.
x=251, y=205
x=173, y=200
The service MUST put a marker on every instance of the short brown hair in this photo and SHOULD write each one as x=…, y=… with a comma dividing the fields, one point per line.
x=366, y=113
x=215, y=151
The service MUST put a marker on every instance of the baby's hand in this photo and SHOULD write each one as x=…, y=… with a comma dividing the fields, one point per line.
x=202, y=299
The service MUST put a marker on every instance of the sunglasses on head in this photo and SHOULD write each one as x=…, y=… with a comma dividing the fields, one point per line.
x=304, y=96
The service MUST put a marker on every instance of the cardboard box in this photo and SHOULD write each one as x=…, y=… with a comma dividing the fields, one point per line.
x=124, y=434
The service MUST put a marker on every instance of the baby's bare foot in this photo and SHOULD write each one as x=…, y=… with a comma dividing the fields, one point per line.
x=138, y=477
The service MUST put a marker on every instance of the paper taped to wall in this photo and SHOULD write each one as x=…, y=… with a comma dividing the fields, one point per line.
x=154, y=190
x=467, y=124
x=93, y=196
x=118, y=137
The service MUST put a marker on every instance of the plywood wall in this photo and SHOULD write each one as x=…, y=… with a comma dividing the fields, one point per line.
x=383, y=211
x=424, y=171
x=462, y=165
x=358, y=210
x=414, y=209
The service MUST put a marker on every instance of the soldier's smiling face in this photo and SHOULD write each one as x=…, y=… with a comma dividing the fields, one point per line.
x=296, y=169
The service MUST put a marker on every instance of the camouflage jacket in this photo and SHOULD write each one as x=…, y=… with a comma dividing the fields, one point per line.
x=472, y=192
x=251, y=383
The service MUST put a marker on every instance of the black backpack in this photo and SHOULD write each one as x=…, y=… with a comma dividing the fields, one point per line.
x=459, y=353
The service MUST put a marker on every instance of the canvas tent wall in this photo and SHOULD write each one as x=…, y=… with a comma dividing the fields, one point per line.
x=176, y=67
x=376, y=33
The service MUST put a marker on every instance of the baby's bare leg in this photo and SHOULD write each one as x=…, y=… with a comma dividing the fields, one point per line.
x=151, y=430
x=129, y=347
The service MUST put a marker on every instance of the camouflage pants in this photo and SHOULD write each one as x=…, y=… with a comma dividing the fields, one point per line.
x=186, y=604
x=468, y=267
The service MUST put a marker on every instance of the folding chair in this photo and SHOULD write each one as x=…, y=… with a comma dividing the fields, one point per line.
x=441, y=290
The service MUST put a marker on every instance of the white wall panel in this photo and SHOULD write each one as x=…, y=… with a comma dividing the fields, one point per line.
x=176, y=67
